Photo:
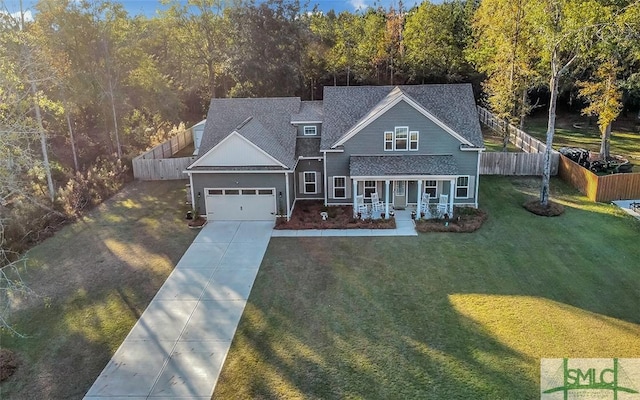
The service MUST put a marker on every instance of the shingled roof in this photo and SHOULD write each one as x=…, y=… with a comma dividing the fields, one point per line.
x=266, y=122
x=402, y=165
x=310, y=111
x=452, y=104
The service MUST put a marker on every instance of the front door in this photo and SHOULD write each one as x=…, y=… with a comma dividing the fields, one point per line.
x=400, y=195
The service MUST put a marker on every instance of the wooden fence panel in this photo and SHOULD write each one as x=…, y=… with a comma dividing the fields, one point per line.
x=579, y=177
x=618, y=187
x=156, y=164
x=603, y=188
x=519, y=138
x=503, y=163
x=161, y=169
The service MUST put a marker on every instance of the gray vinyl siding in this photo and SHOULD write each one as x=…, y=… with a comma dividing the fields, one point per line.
x=231, y=180
x=309, y=165
x=300, y=129
x=432, y=139
x=338, y=165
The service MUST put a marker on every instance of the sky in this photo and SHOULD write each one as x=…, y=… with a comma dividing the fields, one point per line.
x=149, y=7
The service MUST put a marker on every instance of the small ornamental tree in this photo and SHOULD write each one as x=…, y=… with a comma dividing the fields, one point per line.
x=605, y=101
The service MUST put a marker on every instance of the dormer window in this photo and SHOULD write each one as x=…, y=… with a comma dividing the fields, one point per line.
x=401, y=139
x=310, y=130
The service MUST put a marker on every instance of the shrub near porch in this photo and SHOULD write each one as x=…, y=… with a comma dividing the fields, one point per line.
x=306, y=215
x=440, y=315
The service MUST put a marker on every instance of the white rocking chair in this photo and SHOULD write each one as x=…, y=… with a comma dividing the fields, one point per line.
x=376, y=204
x=443, y=205
x=362, y=208
x=424, y=205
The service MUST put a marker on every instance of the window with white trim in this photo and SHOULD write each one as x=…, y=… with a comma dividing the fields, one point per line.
x=413, y=140
x=310, y=184
x=401, y=138
x=431, y=187
x=310, y=131
x=369, y=187
x=462, y=187
x=388, y=141
x=339, y=187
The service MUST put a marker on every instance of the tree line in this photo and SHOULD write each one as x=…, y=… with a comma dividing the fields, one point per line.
x=85, y=86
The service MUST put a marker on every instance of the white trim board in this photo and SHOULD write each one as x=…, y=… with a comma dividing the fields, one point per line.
x=235, y=139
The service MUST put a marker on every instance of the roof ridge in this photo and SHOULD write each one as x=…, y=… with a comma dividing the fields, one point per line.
x=243, y=123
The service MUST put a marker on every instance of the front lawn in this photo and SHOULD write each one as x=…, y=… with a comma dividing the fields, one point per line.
x=94, y=278
x=441, y=316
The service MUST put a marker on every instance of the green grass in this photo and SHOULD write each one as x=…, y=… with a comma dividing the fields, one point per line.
x=494, y=142
x=624, y=140
x=442, y=316
x=94, y=278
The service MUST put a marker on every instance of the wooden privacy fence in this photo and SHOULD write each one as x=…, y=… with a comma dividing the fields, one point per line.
x=531, y=162
x=519, y=138
x=602, y=188
x=494, y=163
x=156, y=164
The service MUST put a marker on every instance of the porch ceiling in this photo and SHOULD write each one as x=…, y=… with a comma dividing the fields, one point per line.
x=402, y=165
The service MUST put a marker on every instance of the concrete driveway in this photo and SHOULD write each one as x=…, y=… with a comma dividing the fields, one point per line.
x=179, y=344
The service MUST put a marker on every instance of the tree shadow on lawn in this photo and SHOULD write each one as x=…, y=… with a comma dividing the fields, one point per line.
x=362, y=335
x=65, y=369
x=440, y=315
x=93, y=280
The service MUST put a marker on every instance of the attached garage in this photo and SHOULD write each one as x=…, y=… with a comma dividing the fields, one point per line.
x=233, y=204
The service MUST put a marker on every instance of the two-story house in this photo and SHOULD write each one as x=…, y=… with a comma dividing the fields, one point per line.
x=258, y=157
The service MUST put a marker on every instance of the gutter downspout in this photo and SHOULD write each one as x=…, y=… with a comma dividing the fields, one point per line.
x=286, y=179
x=478, y=178
x=326, y=179
x=193, y=199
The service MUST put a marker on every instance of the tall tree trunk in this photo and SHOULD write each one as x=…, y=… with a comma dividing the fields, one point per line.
x=505, y=135
x=43, y=141
x=523, y=114
x=71, y=138
x=605, y=146
x=115, y=119
x=551, y=127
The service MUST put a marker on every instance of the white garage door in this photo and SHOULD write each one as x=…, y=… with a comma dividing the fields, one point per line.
x=240, y=204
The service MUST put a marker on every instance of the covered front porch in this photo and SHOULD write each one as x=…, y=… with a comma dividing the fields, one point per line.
x=382, y=184
x=428, y=196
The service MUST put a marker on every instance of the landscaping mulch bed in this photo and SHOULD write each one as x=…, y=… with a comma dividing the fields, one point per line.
x=306, y=215
x=550, y=210
x=466, y=219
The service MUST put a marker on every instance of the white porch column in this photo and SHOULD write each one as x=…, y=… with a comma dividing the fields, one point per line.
x=418, y=211
x=452, y=187
x=355, y=198
x=386, y=199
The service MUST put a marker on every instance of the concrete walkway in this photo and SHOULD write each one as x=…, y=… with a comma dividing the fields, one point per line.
x=626, y=207
x=179, y=344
